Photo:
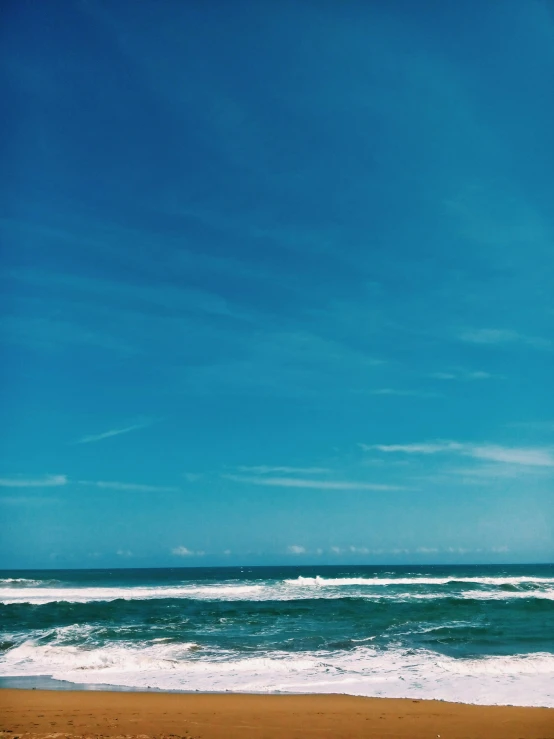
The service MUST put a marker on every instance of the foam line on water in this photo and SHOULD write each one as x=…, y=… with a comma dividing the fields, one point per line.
x=20, y=582
x=518, y=680
x=87, y=594
x=287, y=590
x=393, y=581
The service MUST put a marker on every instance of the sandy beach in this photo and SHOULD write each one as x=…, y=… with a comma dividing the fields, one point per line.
x=42, y=714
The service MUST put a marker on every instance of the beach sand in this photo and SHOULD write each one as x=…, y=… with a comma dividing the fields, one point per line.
x=37, y=714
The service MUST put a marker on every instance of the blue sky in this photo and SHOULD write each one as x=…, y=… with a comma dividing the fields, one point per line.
x=277, y=282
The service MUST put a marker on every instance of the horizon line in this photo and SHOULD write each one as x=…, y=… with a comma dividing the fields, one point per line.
x=233, y=567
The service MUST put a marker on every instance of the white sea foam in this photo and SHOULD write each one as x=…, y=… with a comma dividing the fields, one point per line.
x=19, y=581
x=477, y=595
x=41, y=596
x=377, y=588
x=547, y=594
x=518, y=680
x=394, y=581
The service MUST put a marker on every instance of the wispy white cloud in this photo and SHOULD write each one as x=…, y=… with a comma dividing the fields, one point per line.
x=528, y=456
x=352, y=549
x=399, y=551
x=301, y=482
x=47, y=481
x=503, y=336
x=476, y=550
x=112, y=432
x=26, y=500
x=51, y=481
x=406, y=393
x=186, y=552
x=131, y=487
x=424, y=448
x=522, y=455
x=124, y=553
x=296, y=549
x=268, y=470
x=463, y=375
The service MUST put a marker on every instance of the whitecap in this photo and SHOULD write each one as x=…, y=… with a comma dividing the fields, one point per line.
x=396, y=673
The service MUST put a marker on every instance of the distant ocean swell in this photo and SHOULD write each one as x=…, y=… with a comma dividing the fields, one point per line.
x=479, y=635
x=300, y=588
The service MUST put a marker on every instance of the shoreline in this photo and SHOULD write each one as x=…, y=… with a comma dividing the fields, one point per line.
x=39, y=714
x=45, y=683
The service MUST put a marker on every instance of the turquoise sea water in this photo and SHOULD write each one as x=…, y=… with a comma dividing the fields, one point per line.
x=480, y=634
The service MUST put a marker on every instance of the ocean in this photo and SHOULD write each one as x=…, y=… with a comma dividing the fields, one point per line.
x=475, y=634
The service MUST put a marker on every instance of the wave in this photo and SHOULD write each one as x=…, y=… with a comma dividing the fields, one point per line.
x=524, y=679
x=23, y=582
x=393, y=581
x=509, y=595
x=41, y=596
x=302, y=588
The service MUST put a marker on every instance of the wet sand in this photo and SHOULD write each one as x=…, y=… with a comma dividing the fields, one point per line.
x=53, y=714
